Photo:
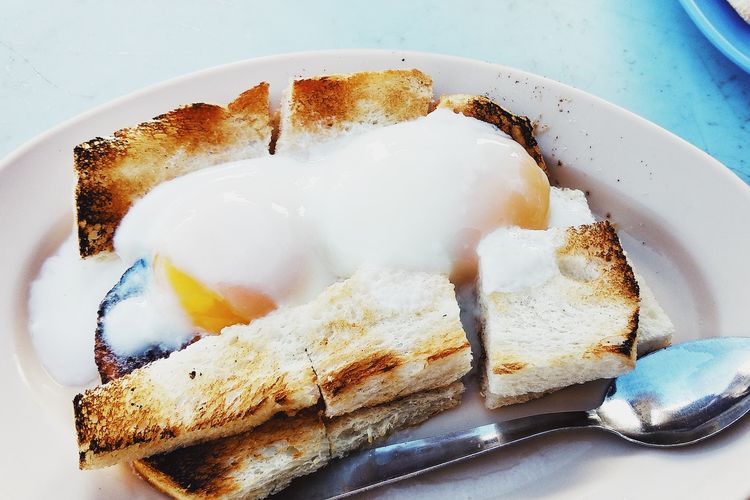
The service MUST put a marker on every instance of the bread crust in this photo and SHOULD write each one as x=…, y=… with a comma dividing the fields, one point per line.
x=518, y=127
x=328, y=106
x=220, y=468
x=112, y=173
x=401, y=350
x=617, y=280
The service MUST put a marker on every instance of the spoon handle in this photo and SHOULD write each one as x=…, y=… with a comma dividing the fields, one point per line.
x=386, y=464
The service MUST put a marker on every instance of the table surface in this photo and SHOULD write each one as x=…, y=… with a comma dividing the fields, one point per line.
x=58, y=59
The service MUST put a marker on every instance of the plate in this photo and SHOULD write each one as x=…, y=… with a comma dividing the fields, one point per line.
x=683, y=217
x=723, y=27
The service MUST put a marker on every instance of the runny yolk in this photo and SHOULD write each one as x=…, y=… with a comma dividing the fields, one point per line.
x=208, y=309
x=526, y=207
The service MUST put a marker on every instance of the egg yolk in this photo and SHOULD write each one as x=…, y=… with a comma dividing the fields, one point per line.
x=208, y=309
x=526, y=207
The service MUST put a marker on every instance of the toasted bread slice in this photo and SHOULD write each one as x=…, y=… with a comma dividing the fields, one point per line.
x=368, y=425
x=251, y=465
x=219, y=386
x=518, y=127
x=385, y=334
x=112, y=173
x=565, y=312
x=263, y=461
x=655, y=329
x=568, y=207
x=321, y=108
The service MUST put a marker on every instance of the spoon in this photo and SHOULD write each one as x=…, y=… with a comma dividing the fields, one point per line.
x=674, y=397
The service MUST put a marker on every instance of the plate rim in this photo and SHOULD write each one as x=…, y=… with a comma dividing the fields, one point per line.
x=713, y=35
x=669, y=139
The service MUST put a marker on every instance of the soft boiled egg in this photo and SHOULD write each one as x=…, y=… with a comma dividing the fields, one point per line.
x=227, y=241
x=232, y=242
x=419, y=195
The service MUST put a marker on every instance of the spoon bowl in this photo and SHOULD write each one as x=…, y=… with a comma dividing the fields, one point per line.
x=681, y=394
x=674, y=397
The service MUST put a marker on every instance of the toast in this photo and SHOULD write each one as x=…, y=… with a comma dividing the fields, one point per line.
x=655, y=329
x=264, y=460
x=518, y=127
x=572, y=318
x=251, y=465
x=568, y=207
x=218, y=386
x=366, y=426
x=404, y=328
x=112, y=173
x=317, y=109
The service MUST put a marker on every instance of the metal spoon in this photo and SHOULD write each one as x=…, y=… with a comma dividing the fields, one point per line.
x=674, y=397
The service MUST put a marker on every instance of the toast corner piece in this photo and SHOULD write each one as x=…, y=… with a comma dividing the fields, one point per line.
x=112, y=173
x=320, y=108
x=579, y=325
x=402, y=334
x=518, y=127
x=655, y=329
x=255, y=464
x=216, y=387
x=263, y=461
x=368, y=425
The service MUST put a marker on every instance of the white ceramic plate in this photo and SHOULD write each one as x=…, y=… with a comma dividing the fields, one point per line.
x=686, y=222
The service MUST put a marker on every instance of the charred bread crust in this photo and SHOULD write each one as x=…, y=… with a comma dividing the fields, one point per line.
x=220, y=386
x=600, y=240
x=206, y=470
x=112, y=365
x=109, y=363
x=106, y=429
x=112, y=173
x=518, y=127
